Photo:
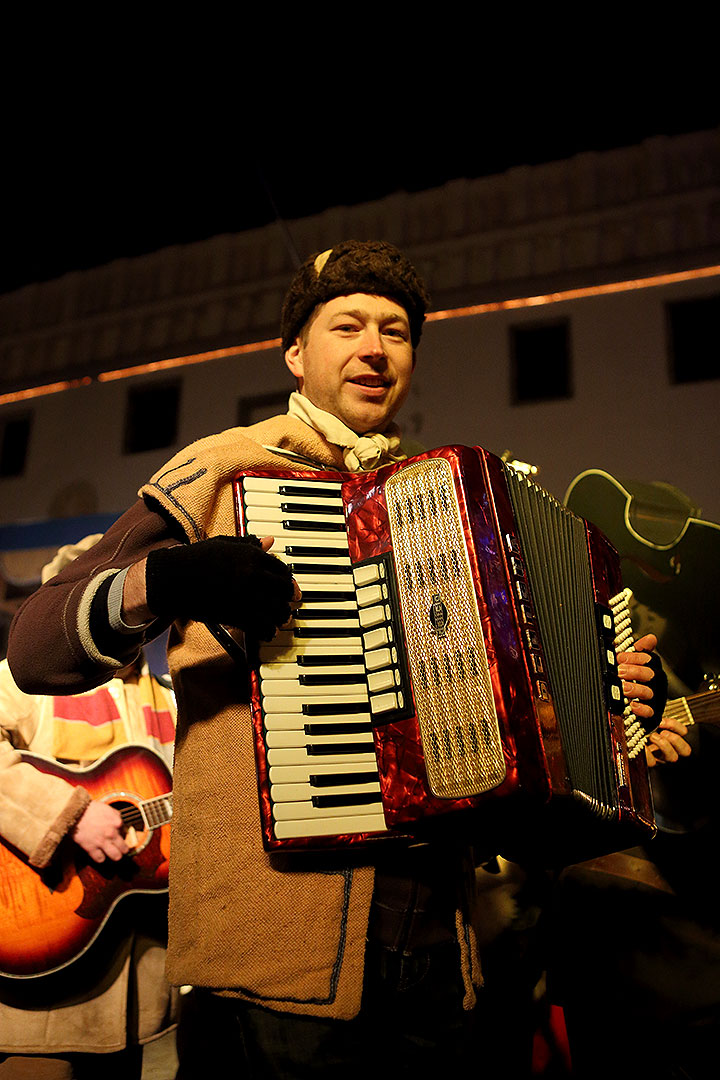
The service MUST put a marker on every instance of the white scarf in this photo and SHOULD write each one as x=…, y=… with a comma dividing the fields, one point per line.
x=361, y=453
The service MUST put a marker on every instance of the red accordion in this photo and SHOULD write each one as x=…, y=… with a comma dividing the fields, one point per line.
x=453, y=660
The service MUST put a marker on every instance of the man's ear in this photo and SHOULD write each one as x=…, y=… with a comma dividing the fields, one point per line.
x=293, y=359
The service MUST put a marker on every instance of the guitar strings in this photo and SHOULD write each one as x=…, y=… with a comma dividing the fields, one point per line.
x=133, y=815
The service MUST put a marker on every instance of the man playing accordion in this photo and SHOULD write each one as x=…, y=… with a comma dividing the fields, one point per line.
x=301, y=964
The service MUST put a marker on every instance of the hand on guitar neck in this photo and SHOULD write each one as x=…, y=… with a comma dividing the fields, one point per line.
x=668, y=743
x=99, y=832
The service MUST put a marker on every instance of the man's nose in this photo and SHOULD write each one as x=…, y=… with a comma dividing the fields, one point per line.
x=372, y=343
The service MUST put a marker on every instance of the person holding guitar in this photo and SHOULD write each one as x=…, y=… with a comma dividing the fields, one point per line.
x=83, y=781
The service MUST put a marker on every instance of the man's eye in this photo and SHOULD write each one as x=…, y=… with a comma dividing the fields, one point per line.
x=348, y=328
x=395, y=332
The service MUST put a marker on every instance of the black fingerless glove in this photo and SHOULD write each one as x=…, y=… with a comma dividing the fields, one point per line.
x=228, y=580
x=659, y=684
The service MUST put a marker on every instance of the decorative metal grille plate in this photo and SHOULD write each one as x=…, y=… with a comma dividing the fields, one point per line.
x=444, y=638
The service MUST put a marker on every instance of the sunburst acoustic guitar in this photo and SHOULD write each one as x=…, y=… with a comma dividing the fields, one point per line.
x=49, y=918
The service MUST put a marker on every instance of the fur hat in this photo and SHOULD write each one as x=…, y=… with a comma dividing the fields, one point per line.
x=354, y=266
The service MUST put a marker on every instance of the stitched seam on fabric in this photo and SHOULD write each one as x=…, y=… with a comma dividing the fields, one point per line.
x=175, y=468
x=185, y=480
x=167, y=492
x=337, y=966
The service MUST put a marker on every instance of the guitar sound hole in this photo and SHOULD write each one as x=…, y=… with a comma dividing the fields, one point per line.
x=132, y=820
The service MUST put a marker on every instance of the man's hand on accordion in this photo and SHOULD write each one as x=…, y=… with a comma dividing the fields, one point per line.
x=227, y=579
x=637, y=670
x=644, y=681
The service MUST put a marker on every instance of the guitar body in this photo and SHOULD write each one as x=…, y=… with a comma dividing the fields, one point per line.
x=50, y=917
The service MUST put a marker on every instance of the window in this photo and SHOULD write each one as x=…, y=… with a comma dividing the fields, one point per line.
x=151, y=417
x=14, y=441
x=694, y=339
x=252, y=410
x=540, y=357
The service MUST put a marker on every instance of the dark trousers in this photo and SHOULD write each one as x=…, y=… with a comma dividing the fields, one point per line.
x=411, y=1019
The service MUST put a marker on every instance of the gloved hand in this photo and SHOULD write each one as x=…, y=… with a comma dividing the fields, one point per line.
x=228, y=580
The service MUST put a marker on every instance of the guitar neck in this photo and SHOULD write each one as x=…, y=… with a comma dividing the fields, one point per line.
x=150, y=813
x=701, y=708
x=158, y=810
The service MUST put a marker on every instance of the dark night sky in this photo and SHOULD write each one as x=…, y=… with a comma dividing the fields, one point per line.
x=86, y=184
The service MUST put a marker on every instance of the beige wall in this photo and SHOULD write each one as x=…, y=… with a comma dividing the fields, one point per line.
x=625, y=416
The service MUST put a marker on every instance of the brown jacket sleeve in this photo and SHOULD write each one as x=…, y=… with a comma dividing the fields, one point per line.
x=60, y=643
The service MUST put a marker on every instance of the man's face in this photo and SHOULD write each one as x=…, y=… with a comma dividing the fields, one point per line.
x=354, y=359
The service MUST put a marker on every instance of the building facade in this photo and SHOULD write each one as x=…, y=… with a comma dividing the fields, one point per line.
x=573, y=324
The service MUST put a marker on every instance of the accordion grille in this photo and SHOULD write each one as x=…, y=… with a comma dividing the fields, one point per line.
x=443, y=634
